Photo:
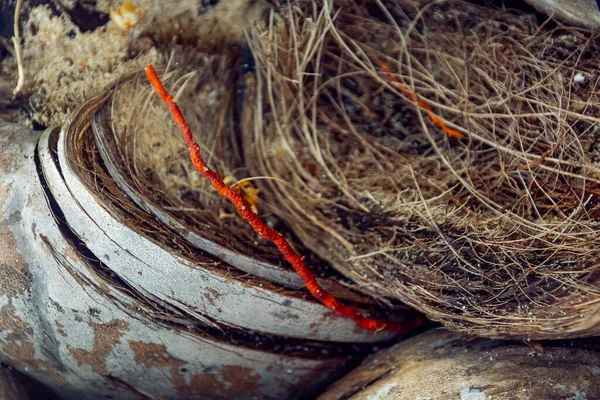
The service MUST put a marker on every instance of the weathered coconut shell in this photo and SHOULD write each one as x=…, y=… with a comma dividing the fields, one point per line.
x=440, y=364
x=577, y=12
x=71, y=323
x=200, y=286
x=195, y=286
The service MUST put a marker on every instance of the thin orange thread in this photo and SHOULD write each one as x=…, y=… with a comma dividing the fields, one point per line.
x=387, y=69
x=263, y=230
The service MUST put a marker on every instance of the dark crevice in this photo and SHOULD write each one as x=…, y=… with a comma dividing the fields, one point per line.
x=33, y=389
x=6, y=20
x=84, y=15
x=206, y=5
x=121, y=383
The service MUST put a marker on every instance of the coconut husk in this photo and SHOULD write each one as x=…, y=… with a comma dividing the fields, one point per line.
x=144, y=153
x=153, y=158
x=493, y=234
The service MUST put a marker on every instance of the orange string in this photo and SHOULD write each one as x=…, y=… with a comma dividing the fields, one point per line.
x=387, y=69
x=263, y=230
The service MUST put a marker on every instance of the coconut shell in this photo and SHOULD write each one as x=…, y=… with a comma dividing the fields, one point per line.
x=584, y=13
x=71, y=322
x=440, y=365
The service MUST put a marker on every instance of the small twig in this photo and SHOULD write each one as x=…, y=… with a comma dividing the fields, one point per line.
x=16, y=39
x=263, y=230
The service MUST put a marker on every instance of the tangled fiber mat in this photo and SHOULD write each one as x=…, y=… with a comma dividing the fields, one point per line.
x=438, y=153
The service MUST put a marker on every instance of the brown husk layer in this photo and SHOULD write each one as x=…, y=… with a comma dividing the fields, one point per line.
x=154, y=157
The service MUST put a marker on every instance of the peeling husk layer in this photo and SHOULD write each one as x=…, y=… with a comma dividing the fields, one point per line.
x=494, y=234
x=149, y=266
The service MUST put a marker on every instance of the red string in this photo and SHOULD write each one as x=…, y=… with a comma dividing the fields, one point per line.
x=263, y=230
x=387, y=69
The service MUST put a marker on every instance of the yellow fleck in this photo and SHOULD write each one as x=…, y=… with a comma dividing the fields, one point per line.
x=245, y=189
x=126, y=16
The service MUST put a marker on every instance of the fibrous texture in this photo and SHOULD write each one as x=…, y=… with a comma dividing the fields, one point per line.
x=493, y=233
x=260, y=227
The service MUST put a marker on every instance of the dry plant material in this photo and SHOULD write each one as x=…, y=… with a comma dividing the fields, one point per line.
x=153, y=158
x=494, y=234
x=64, y=66
x=147, y=158
x=261, y=228
x=16, y=39
x=453, y=133
x=65, y=60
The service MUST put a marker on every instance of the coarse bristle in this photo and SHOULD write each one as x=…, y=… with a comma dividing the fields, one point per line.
x=492, y=233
